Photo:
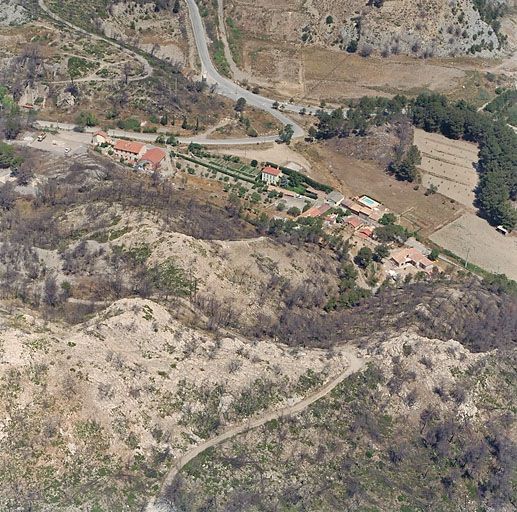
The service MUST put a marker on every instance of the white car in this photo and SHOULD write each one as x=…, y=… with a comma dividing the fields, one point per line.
x=67, y=150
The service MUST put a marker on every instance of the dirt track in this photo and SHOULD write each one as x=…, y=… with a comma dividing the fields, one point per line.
x=355, y=364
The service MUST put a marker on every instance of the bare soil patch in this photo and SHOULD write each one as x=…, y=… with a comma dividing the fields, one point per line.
x=449, y=165
x=276, y=153
x=485, y=246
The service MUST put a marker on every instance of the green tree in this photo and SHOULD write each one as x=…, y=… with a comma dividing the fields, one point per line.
x=286, y=133
x=364, y=257
x=391, y=233
x=240, y=104
x=381, y=251
x=294, y=211
x=388, y=218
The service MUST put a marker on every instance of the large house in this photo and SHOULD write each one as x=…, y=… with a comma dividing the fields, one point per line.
x=100, y=137
x=129, y=150
x=270, y=175
x=412, y=256
x=153, y=159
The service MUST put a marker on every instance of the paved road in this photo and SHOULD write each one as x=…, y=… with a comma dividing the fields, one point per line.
x=151, y=137
x=228, y=88
x=147, y=67
x=355, y=364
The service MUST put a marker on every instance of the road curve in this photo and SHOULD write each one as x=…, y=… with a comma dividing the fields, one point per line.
x=355, y=365
x=147, y=67
x=228, y=88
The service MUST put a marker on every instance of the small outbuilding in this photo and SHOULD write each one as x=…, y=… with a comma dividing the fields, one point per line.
x=334, y=198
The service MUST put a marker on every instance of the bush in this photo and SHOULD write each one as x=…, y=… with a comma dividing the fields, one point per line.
x=294, y=211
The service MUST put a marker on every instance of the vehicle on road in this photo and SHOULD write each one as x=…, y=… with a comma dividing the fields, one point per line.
x=41, y=136
x=67, y=150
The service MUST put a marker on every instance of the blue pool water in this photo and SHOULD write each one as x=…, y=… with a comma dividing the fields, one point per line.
x=368, y=201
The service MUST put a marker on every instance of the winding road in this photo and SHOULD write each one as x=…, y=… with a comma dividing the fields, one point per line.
x=222, y=85
x=355, y=365
x=226, y=87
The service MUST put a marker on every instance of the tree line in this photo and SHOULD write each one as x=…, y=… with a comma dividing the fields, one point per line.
x=497, y=142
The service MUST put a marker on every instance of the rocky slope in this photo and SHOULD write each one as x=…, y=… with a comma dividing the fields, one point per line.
x=425, y=28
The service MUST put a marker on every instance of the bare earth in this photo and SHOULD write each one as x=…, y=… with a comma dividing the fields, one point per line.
x=448, y=164
x=488, y=248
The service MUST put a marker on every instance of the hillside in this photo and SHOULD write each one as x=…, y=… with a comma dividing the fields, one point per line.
x=138, y=319
x=425, y=29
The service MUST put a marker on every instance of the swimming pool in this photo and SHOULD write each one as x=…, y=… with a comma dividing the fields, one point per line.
x=368, y=201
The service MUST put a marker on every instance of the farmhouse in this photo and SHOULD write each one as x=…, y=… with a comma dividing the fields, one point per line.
x=412, y=256
x=100, y=137
x=153, y=159
x=316, y=210
x=270, y=175
x=129, y=150
x=335, y=198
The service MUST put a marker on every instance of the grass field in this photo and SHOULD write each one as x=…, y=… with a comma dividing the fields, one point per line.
x=449, y=165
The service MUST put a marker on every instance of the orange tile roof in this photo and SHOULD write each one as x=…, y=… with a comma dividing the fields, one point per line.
x=129, y=146
x=101, y=133
x=271, y=170
x=355, y=222
x=155, y=156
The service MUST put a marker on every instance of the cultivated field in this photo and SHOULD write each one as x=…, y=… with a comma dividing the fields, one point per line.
x=488, y=248
x=449, y=165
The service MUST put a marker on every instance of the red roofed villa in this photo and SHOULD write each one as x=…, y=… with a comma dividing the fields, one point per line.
x=354, y=221
x=129, y=150
x=316, y=211
x=412, y=256
x=153, y=159
x=270, y=175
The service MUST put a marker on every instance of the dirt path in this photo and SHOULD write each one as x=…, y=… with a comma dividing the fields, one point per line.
x=355, y=364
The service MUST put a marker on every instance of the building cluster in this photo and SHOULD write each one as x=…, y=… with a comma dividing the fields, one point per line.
x=132, y=152
x=365, y=216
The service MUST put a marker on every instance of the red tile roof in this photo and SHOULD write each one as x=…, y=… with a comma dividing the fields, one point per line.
x=128, y=146
x=155, y=156
x=355, y=222
x=101, y=133
x=271, y=170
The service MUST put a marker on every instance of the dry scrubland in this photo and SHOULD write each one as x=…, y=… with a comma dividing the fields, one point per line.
x=111, y=402
x=449, y=165
x=299, y=47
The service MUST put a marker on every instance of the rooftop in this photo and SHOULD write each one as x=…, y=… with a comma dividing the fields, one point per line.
x=271, y=170
x=129, y=146
x=155, y=155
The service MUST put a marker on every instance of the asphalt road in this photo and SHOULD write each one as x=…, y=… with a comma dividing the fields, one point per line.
x=151, y=137
x=229, y=89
